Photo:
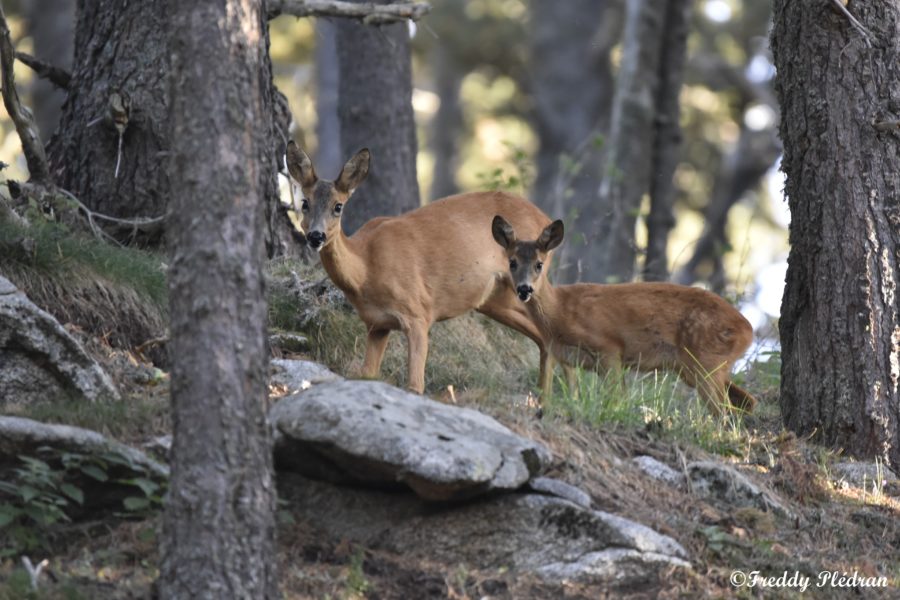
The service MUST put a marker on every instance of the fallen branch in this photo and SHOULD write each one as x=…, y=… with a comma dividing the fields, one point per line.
x=55, y=75
x=865, y=33
x=367, y=12
x=887, y=125
x=142, y=224
x=35, y=157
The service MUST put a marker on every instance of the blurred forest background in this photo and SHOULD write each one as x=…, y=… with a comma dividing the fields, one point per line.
x=519, y=95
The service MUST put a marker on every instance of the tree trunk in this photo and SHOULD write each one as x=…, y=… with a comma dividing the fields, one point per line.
x=51, y=25
x=447, y=124
x=840, y=316
x=120, y=49
x=218, y=526
x=627, y=166
x=571, y=87
x=329, y=156
x=375, y=109
x=667, y=140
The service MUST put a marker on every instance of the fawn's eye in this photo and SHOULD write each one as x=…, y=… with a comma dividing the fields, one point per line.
x=513, y=264
x=538, y=266
x=305, y=206
x=337, y=208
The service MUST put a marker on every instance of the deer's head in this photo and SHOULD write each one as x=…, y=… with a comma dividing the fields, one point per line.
x=323, y=201
x=527, y=259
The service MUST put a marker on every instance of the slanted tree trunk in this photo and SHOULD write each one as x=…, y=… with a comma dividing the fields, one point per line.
x=118, y=77
x=571, y=86
x=667, y=139
x=627, y=166
x=218, y=525
x=375, y=109
x=840, y=316
x=51, y=24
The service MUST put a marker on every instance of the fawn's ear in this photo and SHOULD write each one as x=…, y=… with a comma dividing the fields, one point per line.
x=354, y=172
x=503, y=232
x=551, y=236
x=299, y=166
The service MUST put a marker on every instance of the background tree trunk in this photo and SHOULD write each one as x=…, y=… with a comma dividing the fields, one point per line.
x=375, y=109
x=51, y=24
x=218, y=526
x=447, y=123
x=571, y=87
x=840, y=317
x=666, y=139
x=627, y=166
x=329, y=155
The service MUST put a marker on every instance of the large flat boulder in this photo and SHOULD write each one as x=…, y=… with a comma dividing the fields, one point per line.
x=368, y=432
x=547, y=536
x=40, y=360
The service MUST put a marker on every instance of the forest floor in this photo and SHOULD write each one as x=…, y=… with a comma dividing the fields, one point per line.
x=593, y=436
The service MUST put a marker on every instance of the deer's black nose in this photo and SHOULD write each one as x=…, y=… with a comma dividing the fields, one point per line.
x=315, y=239
x=524, y=291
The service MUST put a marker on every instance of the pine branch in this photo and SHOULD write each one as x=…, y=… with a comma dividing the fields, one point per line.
x=55, y=75
x=367, y=12
x=35, y=156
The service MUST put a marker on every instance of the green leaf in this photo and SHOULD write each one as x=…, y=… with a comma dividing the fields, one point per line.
x=8, y=514
x=34, y=463
x=147, y=486
x=72, y=492
x=27, y=493
x=133, y=503
x=94, y=472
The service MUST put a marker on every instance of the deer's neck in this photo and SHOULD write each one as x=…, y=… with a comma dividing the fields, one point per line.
x=344, y=263
x=544, y=308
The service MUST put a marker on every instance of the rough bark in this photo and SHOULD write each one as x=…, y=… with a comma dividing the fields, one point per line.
x=375, y=109
x=666, y=140
x=571, y=87
x=447, y=122
x=840, y=317
x=218, y=526
x=51, y=25
x=120, y=48
x=627, y=165
x=369, y=13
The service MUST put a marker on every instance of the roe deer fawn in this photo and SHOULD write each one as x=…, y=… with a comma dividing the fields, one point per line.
x=643, y=325
x=410, y=271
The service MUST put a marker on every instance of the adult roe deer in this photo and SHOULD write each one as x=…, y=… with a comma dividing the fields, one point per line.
x=644, y=325
x=408, y=272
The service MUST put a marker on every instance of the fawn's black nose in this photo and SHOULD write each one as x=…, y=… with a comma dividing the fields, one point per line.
x=524, y=291
x=315, y=239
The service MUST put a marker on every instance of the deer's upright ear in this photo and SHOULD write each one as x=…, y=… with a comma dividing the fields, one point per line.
x=299, y=166
x=354, y=172
x=503, y=232
x=551, y=236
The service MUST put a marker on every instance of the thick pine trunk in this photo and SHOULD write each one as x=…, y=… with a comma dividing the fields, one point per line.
x=840, y=317
x=571, y=87
x=120, y=48
x=218, y=526
x=375, y=109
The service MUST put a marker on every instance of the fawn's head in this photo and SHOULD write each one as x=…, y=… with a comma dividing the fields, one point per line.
x=323, y=201
x=527, y=259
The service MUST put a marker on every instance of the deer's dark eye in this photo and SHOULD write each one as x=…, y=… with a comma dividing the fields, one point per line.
x=337, y=208
x=538, y=266
x=513, y=264
x=305, y=206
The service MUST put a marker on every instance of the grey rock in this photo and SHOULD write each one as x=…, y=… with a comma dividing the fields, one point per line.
x=560, y=489
x=862, y=475
x=25, y=437
x=40, y=360
x=548, y=536
x=373, y=433
x=299, y=375
x=715, y=480
x=659, y=470
x=292, y=342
